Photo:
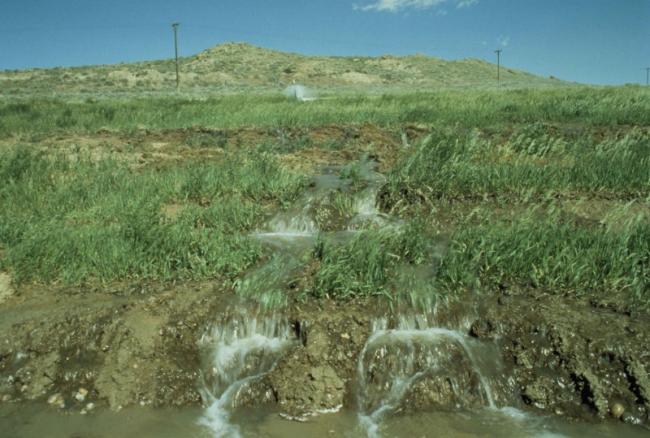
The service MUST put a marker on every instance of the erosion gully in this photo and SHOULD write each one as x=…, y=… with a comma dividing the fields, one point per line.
x=407, y=355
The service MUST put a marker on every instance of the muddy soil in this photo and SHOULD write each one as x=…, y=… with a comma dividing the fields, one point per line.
x=577, y=358
x=139, y=346
x=304, y=149
x=74, y=347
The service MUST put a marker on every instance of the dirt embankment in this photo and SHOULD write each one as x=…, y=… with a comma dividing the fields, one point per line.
x=566, y=356
x=123, y=348
x=578, y=358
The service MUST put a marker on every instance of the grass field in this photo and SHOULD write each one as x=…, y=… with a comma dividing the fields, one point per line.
x=85, y=220
x=443, y=109
x=545, y=189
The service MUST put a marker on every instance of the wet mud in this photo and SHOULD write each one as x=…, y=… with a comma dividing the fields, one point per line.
x=564, y=357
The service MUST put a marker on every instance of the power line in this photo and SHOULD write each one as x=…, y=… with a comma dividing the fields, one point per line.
x=498, y=52
x=175, y=27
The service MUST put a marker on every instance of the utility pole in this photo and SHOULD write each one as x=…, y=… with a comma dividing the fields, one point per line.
x=175, y=27
x=498, y=52
x=647, y=76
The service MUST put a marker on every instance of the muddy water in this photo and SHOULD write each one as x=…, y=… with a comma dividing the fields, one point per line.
x=37, y=421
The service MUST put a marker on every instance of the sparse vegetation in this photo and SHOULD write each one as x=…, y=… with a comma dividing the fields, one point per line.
x=234, y=66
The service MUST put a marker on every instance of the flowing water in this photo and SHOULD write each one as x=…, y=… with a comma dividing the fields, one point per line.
x=394, y=360
x=240, y=351
x=406, y=361
x=415, y=377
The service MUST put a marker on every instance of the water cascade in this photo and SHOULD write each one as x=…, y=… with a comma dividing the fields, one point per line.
x=240, y=352
x=366, y=211
x=298, y=222
x=420, y=364
x=295, y=223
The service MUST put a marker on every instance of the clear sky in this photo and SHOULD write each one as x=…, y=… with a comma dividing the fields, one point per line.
x=590, y=41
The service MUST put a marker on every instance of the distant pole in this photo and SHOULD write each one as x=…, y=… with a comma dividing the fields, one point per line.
x=498, y=52
x=647, y=76
x=175, y=27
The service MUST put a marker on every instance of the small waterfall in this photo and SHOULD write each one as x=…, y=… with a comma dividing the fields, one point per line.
x=365, y=209
x=240, y=352
x=393, y=361
x=294, y=223
x=299, y=221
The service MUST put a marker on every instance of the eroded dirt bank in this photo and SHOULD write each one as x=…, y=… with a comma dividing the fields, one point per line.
x=81, y=350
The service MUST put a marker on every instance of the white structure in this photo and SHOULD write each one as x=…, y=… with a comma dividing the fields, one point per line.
x=299, y=92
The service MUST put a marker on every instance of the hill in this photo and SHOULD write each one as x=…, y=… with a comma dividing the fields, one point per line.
x=233, y=66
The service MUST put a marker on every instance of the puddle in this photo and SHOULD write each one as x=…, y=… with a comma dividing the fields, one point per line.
x=37, y=421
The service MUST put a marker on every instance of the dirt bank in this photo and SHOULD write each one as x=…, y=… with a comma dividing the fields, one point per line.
x=578, y=358
x=139, y=346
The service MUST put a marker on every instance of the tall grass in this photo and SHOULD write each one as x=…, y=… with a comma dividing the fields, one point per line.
x=469, y=108
x=370, y=262
x=552, y=254
x=469, y=166
x=84, y=220
x=538, y=249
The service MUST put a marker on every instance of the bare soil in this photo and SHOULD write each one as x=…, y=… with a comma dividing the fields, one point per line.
x=139, y=346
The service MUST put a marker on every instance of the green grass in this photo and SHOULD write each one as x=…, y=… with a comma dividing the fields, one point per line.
x=551, y=254
x=538, y=244
x=368, y=264
x=71, y=222
x=504, y=163
x=460, y=165
x=582, y=105
x=267, y=284
x=537, y=249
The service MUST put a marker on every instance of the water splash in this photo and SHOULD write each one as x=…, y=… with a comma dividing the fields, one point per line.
x=300, y=93
x=366, y=212
x=295, y=223
x=407, y=354
x=241, y=351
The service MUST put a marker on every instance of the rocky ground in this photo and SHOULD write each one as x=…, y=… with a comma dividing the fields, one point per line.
x=139, y=346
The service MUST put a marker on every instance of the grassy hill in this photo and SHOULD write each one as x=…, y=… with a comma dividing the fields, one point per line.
x=233, y=66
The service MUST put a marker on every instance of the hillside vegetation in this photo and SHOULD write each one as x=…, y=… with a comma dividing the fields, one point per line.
x=234, y=66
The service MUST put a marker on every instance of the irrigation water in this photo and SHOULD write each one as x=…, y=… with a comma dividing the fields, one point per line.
x=300, y=93
x=407, y=361
x=394, y=360
x=240, y=351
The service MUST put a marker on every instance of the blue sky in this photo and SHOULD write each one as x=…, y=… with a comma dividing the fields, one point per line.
x=590, y=41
